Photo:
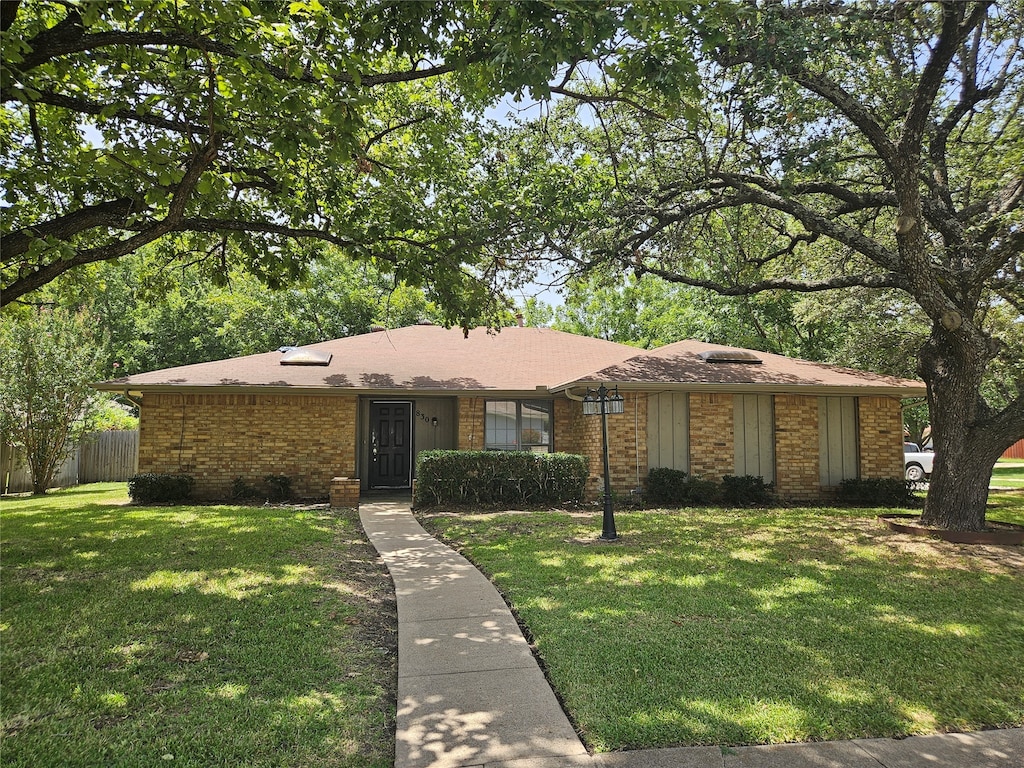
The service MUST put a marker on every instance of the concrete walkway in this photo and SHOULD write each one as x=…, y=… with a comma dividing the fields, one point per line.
x=470, y=693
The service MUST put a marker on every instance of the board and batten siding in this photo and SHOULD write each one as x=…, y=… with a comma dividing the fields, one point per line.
x=754, y=436
x=837, y=439
x=668, y=430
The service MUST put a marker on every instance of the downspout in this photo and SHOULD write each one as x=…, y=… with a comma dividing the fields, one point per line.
x=132, y=400
x=571, y=396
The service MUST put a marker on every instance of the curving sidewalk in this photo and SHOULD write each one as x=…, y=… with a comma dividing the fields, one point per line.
x=470, y=693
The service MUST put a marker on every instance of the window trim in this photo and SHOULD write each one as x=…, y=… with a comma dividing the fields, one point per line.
x=549, y=406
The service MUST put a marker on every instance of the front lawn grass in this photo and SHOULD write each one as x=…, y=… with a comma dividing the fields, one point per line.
x=1011, y=476
x=715, y=626
x=191, y=635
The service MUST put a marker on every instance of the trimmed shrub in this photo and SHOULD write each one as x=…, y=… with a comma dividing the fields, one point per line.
x=153, y=488
x=703, y=493
x=498, y=477
x=673, y=486
x=242, y=491
x=747, y=491
x=667, y=486
x=877, y=492
x=280, y=487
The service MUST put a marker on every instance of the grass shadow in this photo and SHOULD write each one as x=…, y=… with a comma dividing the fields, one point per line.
x=216, y=635
x=760, y=626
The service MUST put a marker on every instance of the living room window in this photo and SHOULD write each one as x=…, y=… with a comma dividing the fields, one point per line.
x=518, y=425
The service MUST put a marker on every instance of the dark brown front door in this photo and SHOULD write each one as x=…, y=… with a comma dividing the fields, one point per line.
x=390, y=445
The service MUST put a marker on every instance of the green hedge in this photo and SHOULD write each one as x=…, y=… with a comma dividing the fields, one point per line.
x=498, y=477
x=673, y=486
x=884, y=492
x=151, y=488
x=747, y=491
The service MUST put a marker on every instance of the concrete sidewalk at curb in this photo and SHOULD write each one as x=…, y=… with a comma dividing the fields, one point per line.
x=471, y=695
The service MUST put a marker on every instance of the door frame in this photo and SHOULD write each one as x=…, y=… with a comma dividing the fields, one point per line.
x=408, y=447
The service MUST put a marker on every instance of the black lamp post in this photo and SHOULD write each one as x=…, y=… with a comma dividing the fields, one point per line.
x=604, y=401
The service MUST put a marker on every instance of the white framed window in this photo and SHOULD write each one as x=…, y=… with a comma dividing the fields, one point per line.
x=518, y=425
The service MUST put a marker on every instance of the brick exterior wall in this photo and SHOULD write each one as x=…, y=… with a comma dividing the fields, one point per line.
x=711, y=439
x=217, y=438
x=880, y=421
x=711, y=435
x=627, y=445
x=471, y=424
x=312, y=438
x=568, y=415
x=796, y=447
x=345, y=492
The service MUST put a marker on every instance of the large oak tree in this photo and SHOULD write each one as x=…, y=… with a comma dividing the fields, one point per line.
x=880, y=146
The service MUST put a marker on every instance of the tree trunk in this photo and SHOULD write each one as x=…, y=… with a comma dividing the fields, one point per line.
x=967, y=442
x=42, y=468
x=958, y=491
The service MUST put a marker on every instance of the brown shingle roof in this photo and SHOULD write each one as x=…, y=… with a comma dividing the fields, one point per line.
x=417, y=357
x=431, y=358
x=680, y=365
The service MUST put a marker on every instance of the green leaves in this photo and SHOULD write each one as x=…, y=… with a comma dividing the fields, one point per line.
x=345, y=121
x=46, y=364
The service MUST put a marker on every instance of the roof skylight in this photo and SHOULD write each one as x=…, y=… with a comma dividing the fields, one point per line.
x=306, y=357
x=730, y=356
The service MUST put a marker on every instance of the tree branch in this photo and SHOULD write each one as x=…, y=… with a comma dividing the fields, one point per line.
x=951, y=37
x=824, y=87
x=609, y=98
x=391, y=129
x=815, y=221
x=111, y=213
x=8, y=13
x=203, y=224
x=890, y=280
x=85, y=107
x=29, y=280
x=69, y=37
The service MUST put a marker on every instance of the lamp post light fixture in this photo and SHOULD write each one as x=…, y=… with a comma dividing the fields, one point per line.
x=604, y=401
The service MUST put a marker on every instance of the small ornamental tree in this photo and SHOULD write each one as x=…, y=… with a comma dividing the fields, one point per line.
x=46, y=364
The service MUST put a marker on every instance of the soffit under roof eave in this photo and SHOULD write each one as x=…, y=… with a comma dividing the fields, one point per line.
x=266, y=389
x=775, y=389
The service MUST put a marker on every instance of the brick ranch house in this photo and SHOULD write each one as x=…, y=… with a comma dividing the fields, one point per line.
x=363, y=407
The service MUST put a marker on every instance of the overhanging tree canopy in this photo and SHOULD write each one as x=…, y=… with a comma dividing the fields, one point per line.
x=878, y=146
x=247, y=131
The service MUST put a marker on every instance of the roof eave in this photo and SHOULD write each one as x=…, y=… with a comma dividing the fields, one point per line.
x=269, y=389
x=868, y=390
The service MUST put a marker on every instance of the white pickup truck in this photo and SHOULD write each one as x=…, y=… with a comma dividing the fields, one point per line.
x=917, y=463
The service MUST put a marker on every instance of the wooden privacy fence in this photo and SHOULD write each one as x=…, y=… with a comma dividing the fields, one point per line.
x=16, y=478
x=100, y=457
x=1015, y=451
x=105, y=457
